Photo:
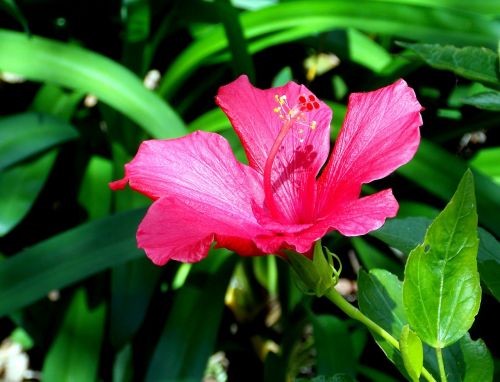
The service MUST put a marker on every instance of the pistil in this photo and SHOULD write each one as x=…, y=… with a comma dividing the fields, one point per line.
x=289, y=116
x=268, y=169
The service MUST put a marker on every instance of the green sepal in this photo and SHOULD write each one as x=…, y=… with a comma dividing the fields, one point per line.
x=318, y=275
x=411, y=352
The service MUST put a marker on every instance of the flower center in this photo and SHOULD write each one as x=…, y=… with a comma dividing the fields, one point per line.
x=290, y=116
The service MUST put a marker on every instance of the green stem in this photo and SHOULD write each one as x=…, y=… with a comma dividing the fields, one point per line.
x=442, y=371
x=356, y=314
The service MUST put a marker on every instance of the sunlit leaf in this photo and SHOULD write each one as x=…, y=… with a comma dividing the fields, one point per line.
x=41, y=59
x=67, y=258
x=75, y=353
x=474, y=63
x=19, y=187
x=441, y=290
x=411, y=352
x=24, y=135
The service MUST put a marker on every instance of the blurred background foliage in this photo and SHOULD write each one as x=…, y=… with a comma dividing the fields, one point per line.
x=83, y=82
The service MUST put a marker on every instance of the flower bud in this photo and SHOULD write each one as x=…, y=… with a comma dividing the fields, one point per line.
x=318, y=275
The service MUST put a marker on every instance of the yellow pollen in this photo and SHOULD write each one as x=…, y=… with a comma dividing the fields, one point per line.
x=277, y=109
x=313, y=125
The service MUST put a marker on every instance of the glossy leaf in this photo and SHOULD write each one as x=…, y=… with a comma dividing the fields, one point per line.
x=188, y=337
x=20, y=186
x=486, y=160
x=411, y=352
x=474, y=63
x=489, y=262
x=372, y=258
x=438, y=172
x=406, y=234
x=132, y=286
x=41, y=59
x=441, y=290
x=297, y=19
x=67, y=258
x=95, y=195
x=75, y=353
x=333, y=345
x=381, y=299
x=486, y=101
x=24, y=135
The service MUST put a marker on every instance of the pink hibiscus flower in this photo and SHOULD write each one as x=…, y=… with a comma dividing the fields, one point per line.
x=280, y=200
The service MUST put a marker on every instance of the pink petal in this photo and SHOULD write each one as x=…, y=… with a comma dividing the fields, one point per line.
x=303, y=151
x=202, y=190
x=364, y=215
x=380, y=134
x=184, y=231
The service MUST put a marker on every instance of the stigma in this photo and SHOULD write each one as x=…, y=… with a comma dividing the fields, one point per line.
x=297, y=114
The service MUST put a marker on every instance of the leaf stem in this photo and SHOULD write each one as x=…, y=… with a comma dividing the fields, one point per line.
x=356, y=314
x=442, y=371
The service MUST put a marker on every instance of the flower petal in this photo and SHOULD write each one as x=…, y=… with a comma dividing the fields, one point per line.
x=202, y=191
x=184, y=231
x=304, y=149
x=364, y=215
x=380, y=134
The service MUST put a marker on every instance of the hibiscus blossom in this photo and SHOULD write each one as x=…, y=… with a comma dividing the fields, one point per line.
x=279, y=200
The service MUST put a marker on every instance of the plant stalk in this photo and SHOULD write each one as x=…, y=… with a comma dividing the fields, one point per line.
x=442, y=371
x=356, y=314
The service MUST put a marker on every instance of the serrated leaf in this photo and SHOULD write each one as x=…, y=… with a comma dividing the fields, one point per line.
x=441, y=290
x=411, y=352
x=381, y=299
x=406, y=234
x=474, y=63
x=75, y=353
x=486, y=101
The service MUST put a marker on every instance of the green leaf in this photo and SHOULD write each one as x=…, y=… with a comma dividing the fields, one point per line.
x=11, y=7
x=372, y=258
x=19, y=188
x=334, y=378
x=486, y=101
x=95, y=194
x=411, y=352
x=441, y=290
x=381, y=299
x=75, y=353
x=486, y=160
x=335, y=353
x=489, y=262
x=290, y=21
x=364, y=51
x=132, y=286
x=188, y=338
x=242, y=61
x=24, y=135
x=67, y=258
x=406, y=234
x=474, y=63
x=438, y=172
x=41, y=59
